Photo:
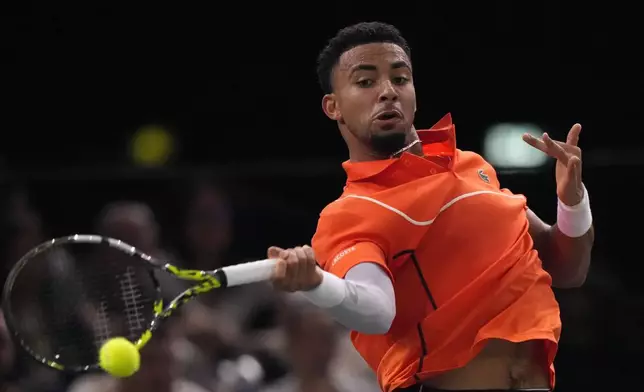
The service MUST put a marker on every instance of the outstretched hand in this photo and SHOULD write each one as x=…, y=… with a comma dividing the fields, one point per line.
x=570, y=189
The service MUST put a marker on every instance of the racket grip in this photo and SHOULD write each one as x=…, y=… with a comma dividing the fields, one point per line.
x=251, y=272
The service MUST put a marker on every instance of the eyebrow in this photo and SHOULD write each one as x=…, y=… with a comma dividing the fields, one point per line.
x=371, y=67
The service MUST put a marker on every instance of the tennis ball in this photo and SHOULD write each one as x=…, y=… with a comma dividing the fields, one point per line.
x=119, y=357
x=152, y=146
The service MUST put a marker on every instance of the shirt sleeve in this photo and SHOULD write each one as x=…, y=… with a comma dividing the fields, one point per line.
x=344, y=239
x=364, y=301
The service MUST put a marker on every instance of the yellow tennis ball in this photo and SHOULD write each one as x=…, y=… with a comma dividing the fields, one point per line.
x=152, y=146
x=119, y=357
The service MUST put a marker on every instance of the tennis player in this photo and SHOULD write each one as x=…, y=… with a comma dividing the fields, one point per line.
x=444, y=277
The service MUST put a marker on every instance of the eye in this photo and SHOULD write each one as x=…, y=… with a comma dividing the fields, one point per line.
x=400, y=80
x=365, y=82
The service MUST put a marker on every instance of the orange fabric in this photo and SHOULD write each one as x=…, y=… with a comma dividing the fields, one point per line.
x=458, y=250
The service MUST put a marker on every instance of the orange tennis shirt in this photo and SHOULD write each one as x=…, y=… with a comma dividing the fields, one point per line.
x=458, y=251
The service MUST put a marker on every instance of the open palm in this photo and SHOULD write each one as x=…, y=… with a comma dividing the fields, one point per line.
x=570, y=189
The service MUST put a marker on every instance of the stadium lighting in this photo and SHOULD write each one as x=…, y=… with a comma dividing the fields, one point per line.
x=504, y=148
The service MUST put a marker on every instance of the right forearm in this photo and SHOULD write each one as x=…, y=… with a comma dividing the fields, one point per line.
x=363, y=302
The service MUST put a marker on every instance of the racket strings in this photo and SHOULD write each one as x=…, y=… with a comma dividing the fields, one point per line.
x=68, y=300
x=101, y=325
x=134, y=302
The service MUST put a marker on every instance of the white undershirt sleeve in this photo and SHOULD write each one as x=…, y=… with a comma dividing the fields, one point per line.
x=364, y=301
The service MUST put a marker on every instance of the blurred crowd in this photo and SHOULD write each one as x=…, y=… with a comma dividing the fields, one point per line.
x=253, y=339
x=244, y=339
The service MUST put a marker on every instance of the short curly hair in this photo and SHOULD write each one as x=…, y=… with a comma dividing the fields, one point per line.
x=350, y=37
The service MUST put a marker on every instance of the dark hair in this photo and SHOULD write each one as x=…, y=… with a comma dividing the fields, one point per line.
x=350, y=37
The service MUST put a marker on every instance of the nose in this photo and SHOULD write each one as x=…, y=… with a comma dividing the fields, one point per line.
x=388, y=92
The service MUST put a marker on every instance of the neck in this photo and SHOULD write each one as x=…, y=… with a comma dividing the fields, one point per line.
x=360, y=152
x=414, y=148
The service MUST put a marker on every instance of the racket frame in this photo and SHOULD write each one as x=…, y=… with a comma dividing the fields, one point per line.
x=206, y=282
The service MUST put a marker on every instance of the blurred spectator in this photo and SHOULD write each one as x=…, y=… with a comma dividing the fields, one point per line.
x=8, y=376
x=318, y=361
x=347, y=365
x=208, y=227
x=135, y=223
x=22, y=229
x=227, y=328
x=132, y=222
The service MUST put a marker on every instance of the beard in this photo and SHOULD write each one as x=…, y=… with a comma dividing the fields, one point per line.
x=385, y=144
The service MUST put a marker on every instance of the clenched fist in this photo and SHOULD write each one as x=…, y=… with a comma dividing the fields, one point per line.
x=296, y=269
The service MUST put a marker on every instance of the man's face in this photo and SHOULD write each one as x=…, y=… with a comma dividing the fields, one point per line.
x=374, y=96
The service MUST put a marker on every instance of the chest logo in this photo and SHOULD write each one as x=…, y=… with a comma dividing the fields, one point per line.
x=483, y=176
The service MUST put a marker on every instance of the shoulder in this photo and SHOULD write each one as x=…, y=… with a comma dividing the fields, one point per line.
x=359, y=199
x=468, y=158
x=346, y=228
x=473, y=165
x=342, y=216
x=345, y=206
x=354, y=212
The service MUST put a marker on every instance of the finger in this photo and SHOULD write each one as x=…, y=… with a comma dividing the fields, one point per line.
x=545, y=145
x=316, y=268
x=555, y=150
x=541, y=145
x=573, y=135
x=312, y=261
x=302, y=266
x=301, y=254
x=279, y=271
x=310, y=254
x=569, y=148
x=534, y=142
x=274, y=252
x=285, y=254
x=292, y=270
x=574, y=169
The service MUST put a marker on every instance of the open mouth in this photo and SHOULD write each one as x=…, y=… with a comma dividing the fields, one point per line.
x=390, y=115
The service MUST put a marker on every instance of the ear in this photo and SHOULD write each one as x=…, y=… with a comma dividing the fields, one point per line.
x=330, y=107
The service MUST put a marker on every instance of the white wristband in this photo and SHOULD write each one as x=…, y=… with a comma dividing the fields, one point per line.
x=575, y=221
x=331, y=292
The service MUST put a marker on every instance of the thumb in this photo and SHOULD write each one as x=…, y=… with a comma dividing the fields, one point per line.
x=274, y=252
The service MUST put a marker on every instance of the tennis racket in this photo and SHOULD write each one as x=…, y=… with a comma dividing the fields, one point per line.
x=66, y=297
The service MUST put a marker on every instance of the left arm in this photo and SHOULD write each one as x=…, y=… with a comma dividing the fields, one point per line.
x=565, y=257
x=565, y=247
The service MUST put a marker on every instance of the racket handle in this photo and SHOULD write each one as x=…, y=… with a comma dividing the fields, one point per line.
x=251, y=272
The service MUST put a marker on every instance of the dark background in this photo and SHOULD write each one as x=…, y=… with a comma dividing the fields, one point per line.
x=237, y=87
